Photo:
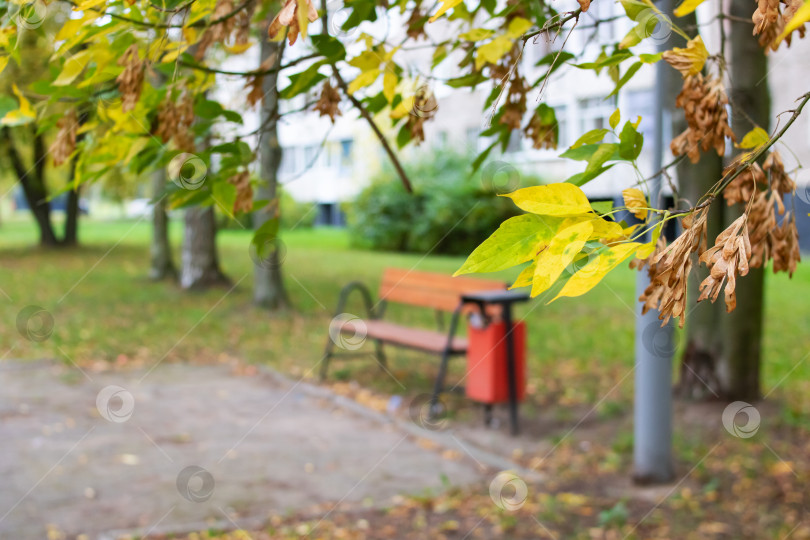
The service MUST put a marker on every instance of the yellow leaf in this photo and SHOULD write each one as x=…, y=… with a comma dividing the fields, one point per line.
x=561, y=199
x=517, y=27
x=636, y=202
x=405, y=107
x=87, y=4
x=389, y=84
x=364, y=79
x=525, y=277
x=597, y=268
x=72, y=68
x=25, y=105
x=446, y=4
x=303, y=20
x=560, y=252
x=687, y=7
x=606, y=230
x=171, y=56
x=493, y=51
x=3, y=63
x=801, y=16
x=237, y=49
x=688, y=61
x=477, y=34
x=754, y=138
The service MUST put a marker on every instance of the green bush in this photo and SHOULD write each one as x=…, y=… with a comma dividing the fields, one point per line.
x=451, y=211
x=296, y=214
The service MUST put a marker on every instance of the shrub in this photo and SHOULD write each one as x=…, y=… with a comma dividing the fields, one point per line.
x=450, y=212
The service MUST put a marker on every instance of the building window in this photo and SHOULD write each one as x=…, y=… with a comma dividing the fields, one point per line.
x=594, y=113
x=515, y=139
x=346, y=156
x=442, y=138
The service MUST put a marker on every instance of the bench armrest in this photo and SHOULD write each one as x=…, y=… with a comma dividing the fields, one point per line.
x=364, y=293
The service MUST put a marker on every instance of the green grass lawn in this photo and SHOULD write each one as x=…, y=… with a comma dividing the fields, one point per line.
x=105, y=309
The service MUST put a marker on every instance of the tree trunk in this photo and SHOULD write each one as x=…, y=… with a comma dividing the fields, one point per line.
x=71, y=218
x=33, y=185
x=200, y=262
x=162, y=265
x=739, y=367
x=702, y=336
x=268, y=284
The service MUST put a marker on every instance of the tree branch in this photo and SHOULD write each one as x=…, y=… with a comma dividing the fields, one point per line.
x=364, y=113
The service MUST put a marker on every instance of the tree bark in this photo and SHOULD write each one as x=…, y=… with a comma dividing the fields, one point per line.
x=162, y=265
x=739, y=366
x=33, y=185
x=71, y=219
x=702, y=336
x=200, y=261
x=268, y=282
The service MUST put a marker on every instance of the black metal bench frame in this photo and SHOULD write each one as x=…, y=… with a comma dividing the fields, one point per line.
x=379, y=353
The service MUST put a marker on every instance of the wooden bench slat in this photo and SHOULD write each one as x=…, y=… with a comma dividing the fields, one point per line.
x=417, y=338
x=428, y=289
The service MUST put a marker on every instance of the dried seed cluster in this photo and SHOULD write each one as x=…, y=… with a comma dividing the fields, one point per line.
x=328, y=103
x=671, y=267
x=770, y=21
x=65, y=142
x=727, y=259
x=288, y=16
x=704, y=103
x=130, y=81
x=244, y=192
x=174, y=121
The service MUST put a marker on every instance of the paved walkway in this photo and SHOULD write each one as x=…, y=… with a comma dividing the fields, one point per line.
x=188, y=445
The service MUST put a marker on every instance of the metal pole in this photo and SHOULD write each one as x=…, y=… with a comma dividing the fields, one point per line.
x=652, y=450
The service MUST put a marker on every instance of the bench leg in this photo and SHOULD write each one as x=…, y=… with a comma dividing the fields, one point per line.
x=438, y=388
x=380, y=354
x=327, y=355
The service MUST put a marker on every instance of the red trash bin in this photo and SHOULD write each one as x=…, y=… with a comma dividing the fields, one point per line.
x=487, y=376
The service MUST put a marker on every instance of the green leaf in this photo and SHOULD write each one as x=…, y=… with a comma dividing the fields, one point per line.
x=651, y=58
x=593, y=136
x=301, y=82
x=264, y=237
x=472, y=79
x=634, y=8
x=585, y=152
x=330, y=47
x=516, y=241
x=558, y=199
x=580, y=179
x=612, y=60
x=626, y=77
x=602, y=207
x=615, y=118
x=560, y=252
x=603, y=153
x=631, y=142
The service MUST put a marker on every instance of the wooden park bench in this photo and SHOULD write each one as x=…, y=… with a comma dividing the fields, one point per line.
x=439, y=292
